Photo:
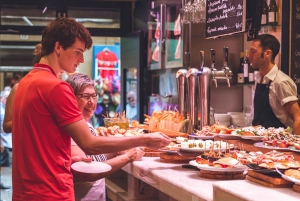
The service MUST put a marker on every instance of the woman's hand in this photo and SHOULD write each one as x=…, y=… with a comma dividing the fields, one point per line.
x=135, y=154
x=80, y=158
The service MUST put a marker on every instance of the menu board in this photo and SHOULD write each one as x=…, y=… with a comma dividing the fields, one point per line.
x=224, y=17
x=295, y=44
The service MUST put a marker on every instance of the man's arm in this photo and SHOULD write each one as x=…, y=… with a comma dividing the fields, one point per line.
x=7, y=123
x=93, y=145
x=293, y=110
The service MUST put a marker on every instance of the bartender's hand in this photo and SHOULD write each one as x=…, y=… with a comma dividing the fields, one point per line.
x=157, y=140
x=135, y=154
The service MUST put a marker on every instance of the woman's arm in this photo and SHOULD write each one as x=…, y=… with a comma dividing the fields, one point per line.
x=116, y=163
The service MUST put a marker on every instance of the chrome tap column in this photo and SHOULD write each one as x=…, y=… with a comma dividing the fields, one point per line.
x=192, y=99
x=205, y=78
x=182, y=92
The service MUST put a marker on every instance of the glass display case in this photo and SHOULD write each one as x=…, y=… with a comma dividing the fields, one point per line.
x=156, y=37
x=173, y=37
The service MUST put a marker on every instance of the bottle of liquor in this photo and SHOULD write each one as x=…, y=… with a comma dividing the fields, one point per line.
x=264, y=13
x=246, y=68
x=273, y=13
x=240, y=74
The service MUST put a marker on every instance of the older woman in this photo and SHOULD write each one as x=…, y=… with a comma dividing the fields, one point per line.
x=92, y=186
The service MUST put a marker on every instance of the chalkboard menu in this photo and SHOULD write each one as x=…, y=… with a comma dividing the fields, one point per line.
x=224, y=17
x=295, y=44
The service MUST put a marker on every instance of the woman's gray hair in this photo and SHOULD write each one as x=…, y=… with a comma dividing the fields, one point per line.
x=79, y=81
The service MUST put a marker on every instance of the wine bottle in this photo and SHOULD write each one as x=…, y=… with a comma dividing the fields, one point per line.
x=251, y=74
x=264, y=13
x=246, y=69
x=240, y=74
x=273, y=13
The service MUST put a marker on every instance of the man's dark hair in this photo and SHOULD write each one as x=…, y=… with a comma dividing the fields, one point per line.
x=268, y=41
x=65, y=31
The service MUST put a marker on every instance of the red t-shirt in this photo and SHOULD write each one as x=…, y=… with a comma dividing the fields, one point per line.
x=107, y=59
x=43, y=104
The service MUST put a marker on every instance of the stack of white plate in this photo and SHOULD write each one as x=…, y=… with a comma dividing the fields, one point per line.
x=237, y=118
x=223, y=119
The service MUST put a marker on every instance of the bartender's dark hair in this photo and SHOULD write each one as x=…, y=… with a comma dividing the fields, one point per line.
x=268, y=41
x=65, y=31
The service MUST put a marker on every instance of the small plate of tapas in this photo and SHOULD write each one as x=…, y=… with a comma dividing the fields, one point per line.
x=202, y=137
x=264, y=145
x=229, y=136
x=222, y=165
x=263, y=170
x=254, y=138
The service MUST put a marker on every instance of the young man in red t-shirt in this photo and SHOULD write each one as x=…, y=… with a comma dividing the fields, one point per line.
x=45, y=116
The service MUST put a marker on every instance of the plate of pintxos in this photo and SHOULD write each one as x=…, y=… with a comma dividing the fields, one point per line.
x=264, y=145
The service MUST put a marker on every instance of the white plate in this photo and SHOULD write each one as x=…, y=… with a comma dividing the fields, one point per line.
x=229, y=136
x=254, y=138
x=213, y=133
x=237, y=168
x=202, y=137
x=92, y=167
x=199, y=150
x=262, y=145
x=169, y=151
x=194, y=163
x=294, y=149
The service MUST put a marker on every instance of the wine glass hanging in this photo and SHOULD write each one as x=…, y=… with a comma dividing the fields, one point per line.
x=193, y=12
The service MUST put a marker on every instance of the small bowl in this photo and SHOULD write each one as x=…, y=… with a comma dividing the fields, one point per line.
x=180, y=140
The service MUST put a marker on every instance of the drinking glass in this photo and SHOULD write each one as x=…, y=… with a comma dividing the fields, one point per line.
x=248, y=115
x=185, y=12
x=198, y=11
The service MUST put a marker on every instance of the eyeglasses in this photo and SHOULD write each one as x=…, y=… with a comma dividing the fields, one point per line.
x=87, y=96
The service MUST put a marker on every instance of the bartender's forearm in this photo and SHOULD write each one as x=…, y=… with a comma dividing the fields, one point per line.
x=293, y=110
x=296, y=127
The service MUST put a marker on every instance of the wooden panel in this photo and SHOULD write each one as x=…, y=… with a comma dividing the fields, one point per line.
x=267, y=183
x=276, y=180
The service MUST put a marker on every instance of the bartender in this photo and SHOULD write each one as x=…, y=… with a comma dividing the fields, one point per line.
x=275, y=99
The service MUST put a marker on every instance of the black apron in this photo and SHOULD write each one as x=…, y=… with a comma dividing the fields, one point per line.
x=263, y=113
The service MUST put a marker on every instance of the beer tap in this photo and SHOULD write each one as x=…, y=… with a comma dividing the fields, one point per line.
x=225, y=73
x=226, y=69
x=212, y=65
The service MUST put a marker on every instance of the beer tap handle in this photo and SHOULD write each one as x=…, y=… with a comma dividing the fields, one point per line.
x=212, y=58
x=228, y=82
x=201, y=54
x=225, y=56
x=216, y=82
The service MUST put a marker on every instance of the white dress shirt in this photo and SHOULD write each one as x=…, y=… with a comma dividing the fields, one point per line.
x=282, y=90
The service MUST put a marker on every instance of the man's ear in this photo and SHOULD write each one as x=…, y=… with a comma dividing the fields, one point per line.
x=57, y=48
x=268, y=53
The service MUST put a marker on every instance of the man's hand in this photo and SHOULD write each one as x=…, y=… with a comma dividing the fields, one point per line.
x=157, y=140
